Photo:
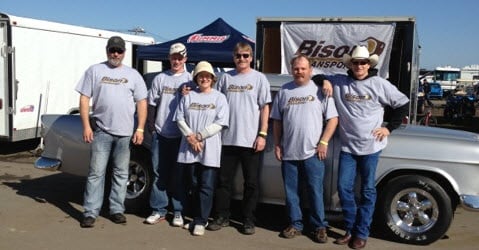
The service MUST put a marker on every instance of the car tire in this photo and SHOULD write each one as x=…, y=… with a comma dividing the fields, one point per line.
x=140, y=179
x=413, y=209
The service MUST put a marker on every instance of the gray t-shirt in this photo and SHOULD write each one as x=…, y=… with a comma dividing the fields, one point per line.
x=246, y=94
x=114, y=92
x=199, y=110
x=164, y=94
x=360, y=105
x=302, y=110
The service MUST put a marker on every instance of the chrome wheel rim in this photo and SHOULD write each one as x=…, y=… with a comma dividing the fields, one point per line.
x=137, y=178
x=414, y=210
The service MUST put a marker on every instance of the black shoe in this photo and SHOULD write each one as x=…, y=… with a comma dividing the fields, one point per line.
x=87, y=222
x=218, y=223
x=118, y=218
x=248, y=227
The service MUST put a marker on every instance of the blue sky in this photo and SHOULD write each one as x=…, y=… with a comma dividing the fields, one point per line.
x=448, y=30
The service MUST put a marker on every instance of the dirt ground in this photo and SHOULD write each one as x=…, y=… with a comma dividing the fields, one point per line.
x=41, y=210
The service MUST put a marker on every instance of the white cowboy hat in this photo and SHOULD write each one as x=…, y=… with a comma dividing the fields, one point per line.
x=360, y=52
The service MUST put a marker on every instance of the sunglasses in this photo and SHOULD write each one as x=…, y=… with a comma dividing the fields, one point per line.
x=116, y=50
x=238, y=56
x=360, y=62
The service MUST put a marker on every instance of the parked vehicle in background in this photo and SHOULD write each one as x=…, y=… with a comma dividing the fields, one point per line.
x=447, y=77
x=40, y=65
x=422, y=176
x=436, y=91
x=460, y=108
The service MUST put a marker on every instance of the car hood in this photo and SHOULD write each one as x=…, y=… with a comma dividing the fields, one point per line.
x=439, y=133
x=433, y=144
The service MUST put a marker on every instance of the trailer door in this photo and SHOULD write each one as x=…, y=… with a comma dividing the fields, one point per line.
x=4, y=114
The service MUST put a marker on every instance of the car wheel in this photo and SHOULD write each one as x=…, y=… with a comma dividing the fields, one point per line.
x=140, y=179
x=414, y=209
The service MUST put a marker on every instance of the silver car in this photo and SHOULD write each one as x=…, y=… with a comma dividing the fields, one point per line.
x=423, y=174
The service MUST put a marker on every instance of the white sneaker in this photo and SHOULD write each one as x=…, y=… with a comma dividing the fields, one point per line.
x=154, y=218
x=178, y=220
x=188, y=226
x=199, y=230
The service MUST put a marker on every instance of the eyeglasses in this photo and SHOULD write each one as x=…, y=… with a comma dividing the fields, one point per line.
x=359, y=62
x=116, y=50
x=238, y=56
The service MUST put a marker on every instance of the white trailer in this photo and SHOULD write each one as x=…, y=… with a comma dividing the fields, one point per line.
x=40, y=65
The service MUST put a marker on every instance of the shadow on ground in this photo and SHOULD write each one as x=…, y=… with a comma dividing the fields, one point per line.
x=60, y=190
x=7, y=148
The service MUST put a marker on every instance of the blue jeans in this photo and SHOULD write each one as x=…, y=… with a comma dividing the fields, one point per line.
x=202, y=180
x=312, y=171
x=167, y=175
x=103, y=147
x=358, y=214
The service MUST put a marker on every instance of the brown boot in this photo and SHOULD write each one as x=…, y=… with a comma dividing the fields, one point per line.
x=343, y=240
x=357, y=243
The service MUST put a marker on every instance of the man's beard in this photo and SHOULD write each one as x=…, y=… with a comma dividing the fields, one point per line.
x=115, y=62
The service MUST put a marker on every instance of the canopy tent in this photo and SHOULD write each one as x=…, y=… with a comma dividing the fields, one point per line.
x=213, y=43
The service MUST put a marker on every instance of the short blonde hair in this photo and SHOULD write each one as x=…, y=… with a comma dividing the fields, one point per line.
x=243, y=46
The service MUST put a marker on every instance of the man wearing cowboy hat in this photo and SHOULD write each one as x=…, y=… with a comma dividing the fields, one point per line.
x=360, y=97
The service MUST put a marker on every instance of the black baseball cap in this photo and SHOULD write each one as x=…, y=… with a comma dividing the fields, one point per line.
x=116, y=42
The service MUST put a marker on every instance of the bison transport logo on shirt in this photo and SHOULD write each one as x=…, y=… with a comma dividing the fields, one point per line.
x=237, y=88
x=199, y=106
x=300, y=100
x=169, y=90
x=109, y=80
x=356, y=98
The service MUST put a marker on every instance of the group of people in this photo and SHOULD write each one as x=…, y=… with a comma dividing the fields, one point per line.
x=198, y=123
x=203, y=128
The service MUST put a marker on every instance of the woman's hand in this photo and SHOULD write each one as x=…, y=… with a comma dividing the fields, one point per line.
x=194, y=143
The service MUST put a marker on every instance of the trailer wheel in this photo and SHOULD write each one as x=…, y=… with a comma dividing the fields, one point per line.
x=414, y=209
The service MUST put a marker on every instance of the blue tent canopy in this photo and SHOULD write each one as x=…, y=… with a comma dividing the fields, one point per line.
x=213, y=43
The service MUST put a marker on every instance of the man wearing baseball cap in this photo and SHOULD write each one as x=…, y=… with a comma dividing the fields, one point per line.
x=116, y=42
x=110, y=127
x=163, y=98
